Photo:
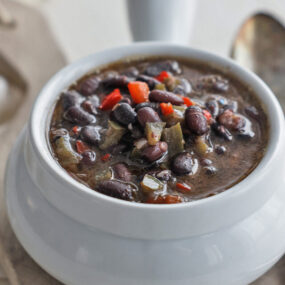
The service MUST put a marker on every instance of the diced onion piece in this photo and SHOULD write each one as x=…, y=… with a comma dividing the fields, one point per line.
x=150, y=183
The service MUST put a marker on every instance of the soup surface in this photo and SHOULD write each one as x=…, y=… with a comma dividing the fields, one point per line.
x=158, y=130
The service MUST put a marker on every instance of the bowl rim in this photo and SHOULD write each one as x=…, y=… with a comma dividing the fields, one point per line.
x=274, y=114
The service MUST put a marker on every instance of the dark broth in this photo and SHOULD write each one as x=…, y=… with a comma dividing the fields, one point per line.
x=217, y=163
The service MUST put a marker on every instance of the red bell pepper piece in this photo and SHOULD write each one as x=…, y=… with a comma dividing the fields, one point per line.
x=81, y=146
x=207, y=115
x=183, y=187
x=172, y=199
x=166, y=108
x=139, y=91
x=187, y=101
x=163, y=75
x=106, y=157
x=166, y=199
x=75, y=129
x=111, y=100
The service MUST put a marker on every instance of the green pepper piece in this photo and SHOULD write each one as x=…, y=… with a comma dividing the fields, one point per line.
x=180, y=108
x=106, y=174
x=174, y=138
x=63, y=149
x=201, y=146
x=139, y=144
x=153, y=132
x=113, y=135
x=171, y=82
x=177, y=116
x=160, y=86
x=150, y=183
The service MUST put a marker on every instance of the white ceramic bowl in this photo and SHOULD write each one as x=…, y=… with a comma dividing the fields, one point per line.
x=83, y=237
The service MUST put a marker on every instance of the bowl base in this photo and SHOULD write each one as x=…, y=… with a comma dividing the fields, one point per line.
x=77, y=254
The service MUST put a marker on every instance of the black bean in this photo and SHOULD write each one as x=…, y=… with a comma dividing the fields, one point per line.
x=166, y=97
x=119, y=81
x=89, y=86
x=126, y=100
x=195, y=120
x=205, y=162
x=127, y=139
x=213, y=83
x=119, y=148
x=88, y=158
x=136, y=131
x=90, y=134
x=252, y=112
x=210, y=170
x=116, y=189
x=232, y=106
x=152, y=105
x=121, y=172
x=150, y=81
x=166, y=65
x=246, y=131
x=213, y=106
x=109, y=74
x=130, y=72
x=154, y=152
x=183, y=87
x=147, y=115
x=77, y=115
x=221, y=131
x=220, y=149
x=124, y=114
x=244, y=134
x=91, y=104
x=182, y=163
x=70, y=98
x=231, y=120
x=164, y=175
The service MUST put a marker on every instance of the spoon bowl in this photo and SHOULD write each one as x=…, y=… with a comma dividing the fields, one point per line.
x=260, y=46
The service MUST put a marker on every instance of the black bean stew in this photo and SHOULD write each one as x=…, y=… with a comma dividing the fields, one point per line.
x=158, y=131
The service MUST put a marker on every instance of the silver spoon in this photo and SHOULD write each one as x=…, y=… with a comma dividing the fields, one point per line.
x=260, y=46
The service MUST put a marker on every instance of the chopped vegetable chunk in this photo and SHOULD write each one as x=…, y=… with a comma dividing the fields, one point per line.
x=111, y=100
x=163, y=75
x=139, y=91
x=106, y=157
x=183, y=187
x=151, y=183
x=187, y=101
x=166, y=108
x=154, y=131
x=174, y=138
x=81, y=146
x=113, y=135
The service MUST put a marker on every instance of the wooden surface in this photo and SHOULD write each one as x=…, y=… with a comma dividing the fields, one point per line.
x=29, y=56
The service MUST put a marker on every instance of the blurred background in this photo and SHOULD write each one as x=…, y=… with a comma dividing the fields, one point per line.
x=85, y=26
